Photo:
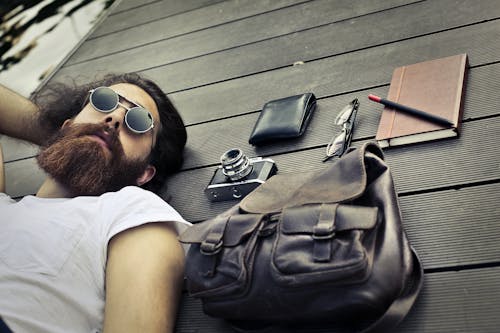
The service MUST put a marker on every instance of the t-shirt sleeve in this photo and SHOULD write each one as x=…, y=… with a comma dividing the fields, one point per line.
x=132, y=206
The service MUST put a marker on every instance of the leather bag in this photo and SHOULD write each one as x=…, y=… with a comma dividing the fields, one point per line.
x=322, y=247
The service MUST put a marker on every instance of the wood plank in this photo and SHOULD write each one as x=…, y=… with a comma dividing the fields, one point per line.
x=149, y=12
x=23, y=177
x=346, y=36
x=334, y=75
x=239, y=32
x=441, y=232
x=125, y=5
x=14, y=149
x=175, y=25
x=386, y=26
x=480, y=96
x=464, y=301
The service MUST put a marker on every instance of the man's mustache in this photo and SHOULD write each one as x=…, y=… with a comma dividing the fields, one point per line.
x=103, y=131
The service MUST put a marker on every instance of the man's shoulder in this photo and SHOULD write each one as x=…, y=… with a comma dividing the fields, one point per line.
x=133, y=192
x=133, y=197
x=133, y=206
x=137, y=199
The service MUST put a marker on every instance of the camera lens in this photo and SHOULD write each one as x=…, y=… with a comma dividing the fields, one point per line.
x=235, y=164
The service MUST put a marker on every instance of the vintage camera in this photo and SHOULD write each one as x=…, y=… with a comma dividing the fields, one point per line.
x=238, y=175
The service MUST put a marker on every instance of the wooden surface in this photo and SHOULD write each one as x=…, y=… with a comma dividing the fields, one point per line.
x=221, y=61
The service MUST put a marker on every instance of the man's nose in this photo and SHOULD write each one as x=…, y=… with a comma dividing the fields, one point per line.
x=115, y=118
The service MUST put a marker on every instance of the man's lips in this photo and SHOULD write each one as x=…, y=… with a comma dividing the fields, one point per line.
x=103, y=139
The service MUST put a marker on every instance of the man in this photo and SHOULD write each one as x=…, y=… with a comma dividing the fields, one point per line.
x=93, y=252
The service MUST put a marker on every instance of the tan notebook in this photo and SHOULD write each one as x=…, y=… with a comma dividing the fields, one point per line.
x=435, y=86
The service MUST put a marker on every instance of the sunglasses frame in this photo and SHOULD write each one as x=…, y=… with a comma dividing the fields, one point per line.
x=118, y=104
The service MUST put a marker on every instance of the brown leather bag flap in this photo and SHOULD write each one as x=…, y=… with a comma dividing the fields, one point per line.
x=342, y=181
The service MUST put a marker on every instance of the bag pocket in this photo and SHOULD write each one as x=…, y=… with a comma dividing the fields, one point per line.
x=324, y=243
x=220, y=259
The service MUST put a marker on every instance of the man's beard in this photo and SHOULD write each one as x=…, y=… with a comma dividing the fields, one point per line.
x=83, y=166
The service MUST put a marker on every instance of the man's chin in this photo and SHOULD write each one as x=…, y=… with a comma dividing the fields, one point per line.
x=82, y=170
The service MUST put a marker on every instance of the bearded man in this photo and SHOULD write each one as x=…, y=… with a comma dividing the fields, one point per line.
x=93, y=251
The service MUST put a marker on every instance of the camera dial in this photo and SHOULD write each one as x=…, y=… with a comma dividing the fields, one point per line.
x=235, y=164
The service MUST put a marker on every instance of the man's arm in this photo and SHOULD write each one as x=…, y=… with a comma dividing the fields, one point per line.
x=2, y=173
x=144, y=275
x=19, y=117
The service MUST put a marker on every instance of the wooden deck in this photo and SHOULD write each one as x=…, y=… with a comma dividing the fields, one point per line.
x=221, y=61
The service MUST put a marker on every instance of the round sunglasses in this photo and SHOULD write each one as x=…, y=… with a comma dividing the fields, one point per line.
x=138, y=119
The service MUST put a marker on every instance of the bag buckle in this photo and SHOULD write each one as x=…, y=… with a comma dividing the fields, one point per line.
x=211, y=245
x=268, y=226
x=213, y=242
x=325, y=228
x=323, y=231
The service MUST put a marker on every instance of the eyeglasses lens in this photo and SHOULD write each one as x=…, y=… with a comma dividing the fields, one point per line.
x=104, y=99
x=338, y=145
x=139, y=119
x=344, y=115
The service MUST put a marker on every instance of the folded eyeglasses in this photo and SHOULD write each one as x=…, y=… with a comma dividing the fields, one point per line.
x=341, y=141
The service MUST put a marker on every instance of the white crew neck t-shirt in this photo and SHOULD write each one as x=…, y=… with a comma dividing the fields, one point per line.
x=53, y=255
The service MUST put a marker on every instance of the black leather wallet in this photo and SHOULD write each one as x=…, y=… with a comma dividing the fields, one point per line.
x=283, y=118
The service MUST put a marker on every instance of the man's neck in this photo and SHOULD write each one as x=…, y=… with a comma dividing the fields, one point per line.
x=52, y=189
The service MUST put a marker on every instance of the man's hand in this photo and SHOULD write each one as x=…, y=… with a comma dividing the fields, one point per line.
x=144, y=275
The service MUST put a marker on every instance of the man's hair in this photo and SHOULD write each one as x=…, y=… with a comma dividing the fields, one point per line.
x=59, y=102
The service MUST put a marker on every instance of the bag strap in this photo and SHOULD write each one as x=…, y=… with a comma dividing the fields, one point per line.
x=401, y=305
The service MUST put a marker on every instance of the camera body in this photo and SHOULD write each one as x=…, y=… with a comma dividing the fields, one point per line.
x=238, y=175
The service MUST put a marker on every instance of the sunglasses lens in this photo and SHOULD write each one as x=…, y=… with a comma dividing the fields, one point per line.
x=139, y=119
x=104, y=99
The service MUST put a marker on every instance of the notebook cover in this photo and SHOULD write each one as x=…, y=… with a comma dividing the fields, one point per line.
x=435, y=86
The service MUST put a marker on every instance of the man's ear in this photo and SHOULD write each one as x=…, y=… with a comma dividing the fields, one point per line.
x=146, y=176
x=66, y=123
